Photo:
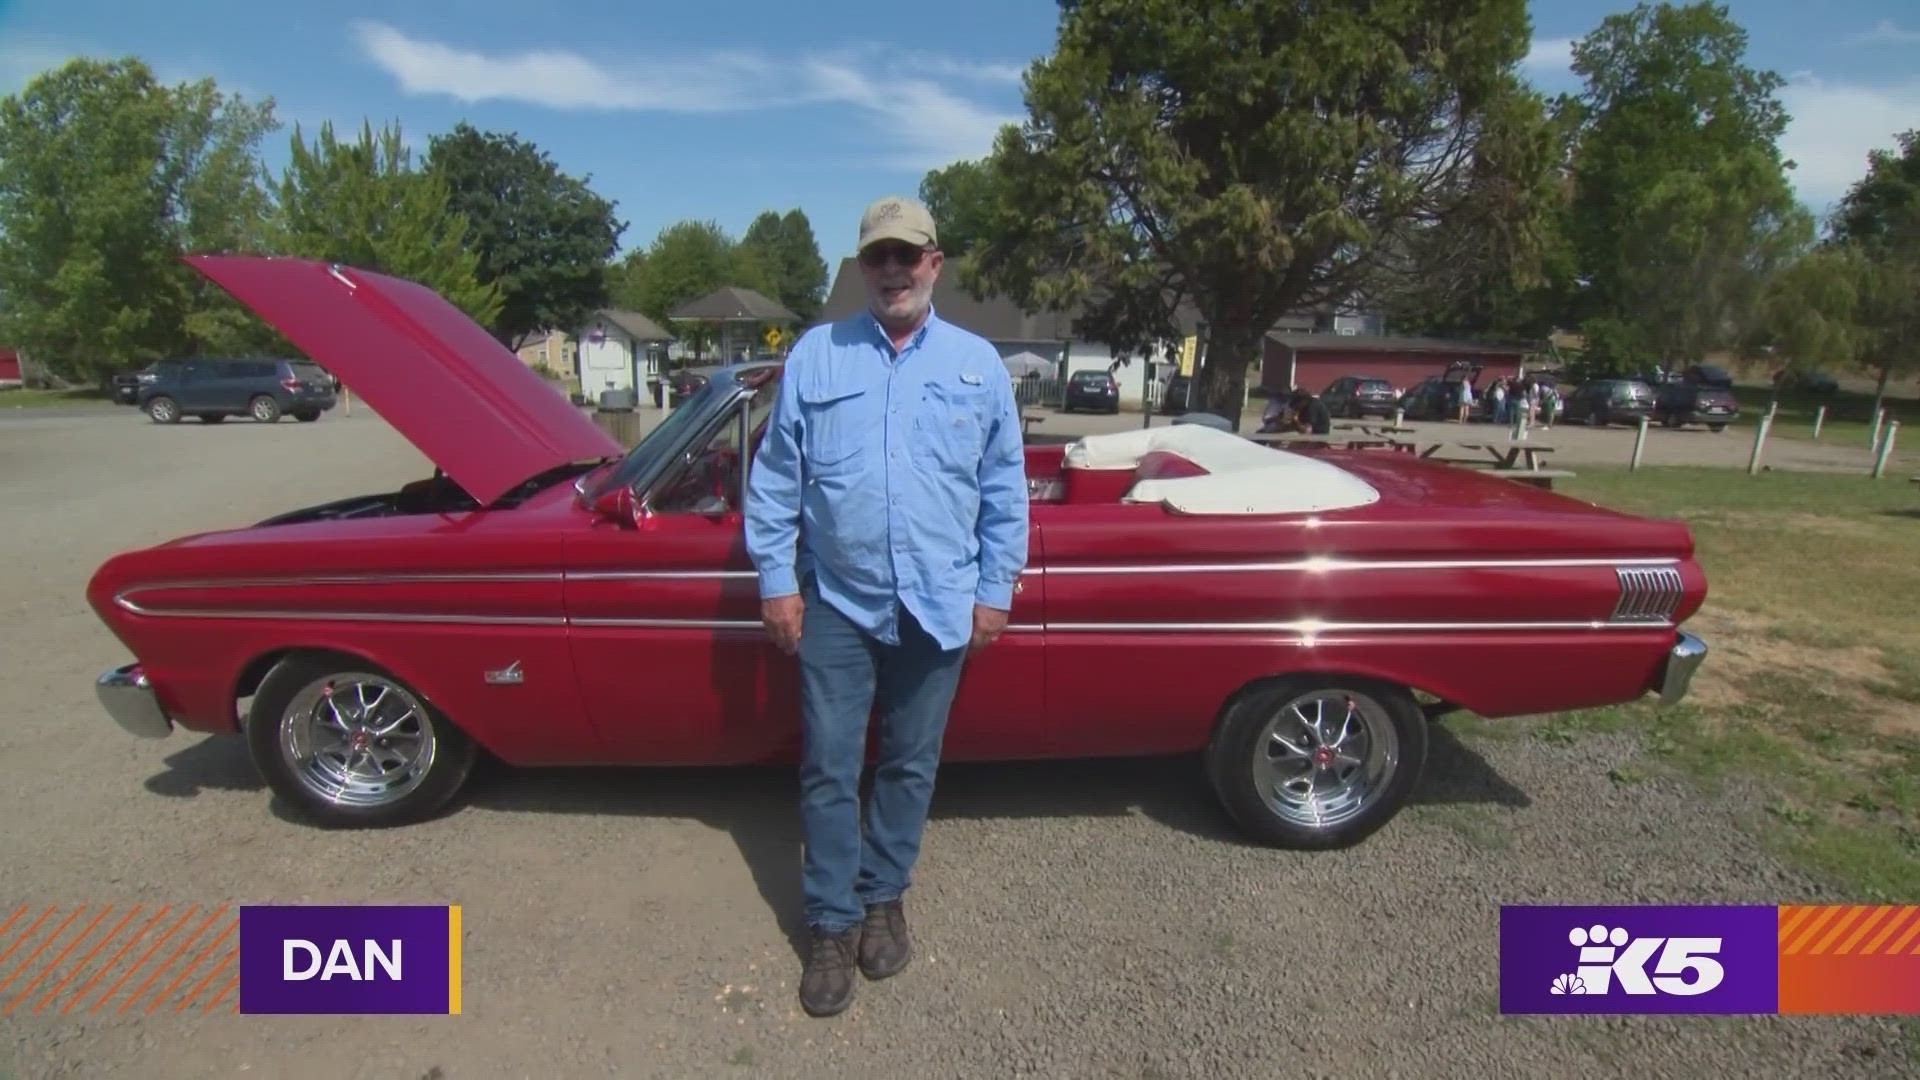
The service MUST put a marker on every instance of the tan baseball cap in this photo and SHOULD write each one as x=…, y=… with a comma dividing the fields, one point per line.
x=898, y=218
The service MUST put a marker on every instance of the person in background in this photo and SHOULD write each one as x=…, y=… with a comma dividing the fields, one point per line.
x=1309, y=414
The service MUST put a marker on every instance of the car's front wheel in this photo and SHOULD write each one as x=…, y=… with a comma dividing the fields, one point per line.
x=1318, y=763
x=346, y=744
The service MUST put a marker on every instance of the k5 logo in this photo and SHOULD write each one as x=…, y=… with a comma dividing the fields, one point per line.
x=1607, y=958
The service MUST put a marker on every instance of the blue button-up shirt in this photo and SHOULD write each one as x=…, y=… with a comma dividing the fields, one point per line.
x=896, y=478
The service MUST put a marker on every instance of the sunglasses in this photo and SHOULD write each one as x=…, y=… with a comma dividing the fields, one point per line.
x=904, y=255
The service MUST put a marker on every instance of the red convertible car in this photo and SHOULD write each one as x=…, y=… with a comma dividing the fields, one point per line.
x=1294, y=619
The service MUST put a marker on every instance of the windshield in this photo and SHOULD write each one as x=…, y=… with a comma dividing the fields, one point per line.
x=672, y=433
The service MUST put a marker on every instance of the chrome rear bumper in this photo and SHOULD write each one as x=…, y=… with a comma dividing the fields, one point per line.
x=1685, y=659
x=129, y=698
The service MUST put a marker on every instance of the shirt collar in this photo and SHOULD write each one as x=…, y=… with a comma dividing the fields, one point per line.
x=919, y=336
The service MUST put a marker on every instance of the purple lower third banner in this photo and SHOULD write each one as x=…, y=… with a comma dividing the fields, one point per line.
x=1718, y=960
x=359, y=960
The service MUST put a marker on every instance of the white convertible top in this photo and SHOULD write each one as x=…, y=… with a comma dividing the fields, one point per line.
x=1242, y=477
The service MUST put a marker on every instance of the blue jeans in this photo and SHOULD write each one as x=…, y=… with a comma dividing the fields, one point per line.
x=841, y=669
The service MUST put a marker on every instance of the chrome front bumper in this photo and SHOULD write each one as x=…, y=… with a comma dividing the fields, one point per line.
x=129, y=698
x=1685, y=659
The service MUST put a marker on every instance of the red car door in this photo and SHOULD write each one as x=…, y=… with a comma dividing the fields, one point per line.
x=675, y=665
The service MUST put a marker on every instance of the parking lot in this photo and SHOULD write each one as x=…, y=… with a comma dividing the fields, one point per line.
x=1093, y=919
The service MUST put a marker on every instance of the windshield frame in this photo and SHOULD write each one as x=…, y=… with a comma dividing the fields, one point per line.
x=691, y=421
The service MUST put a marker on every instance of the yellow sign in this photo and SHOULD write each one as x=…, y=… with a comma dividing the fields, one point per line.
x=773, y=338
x=1189, y=349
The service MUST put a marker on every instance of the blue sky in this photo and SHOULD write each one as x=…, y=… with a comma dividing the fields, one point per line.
x=725, y=108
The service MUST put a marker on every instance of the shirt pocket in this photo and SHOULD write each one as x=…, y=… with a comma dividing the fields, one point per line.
x=951, y=427
x=835, y=421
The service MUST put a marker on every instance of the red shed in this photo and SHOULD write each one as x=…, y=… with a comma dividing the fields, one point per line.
x=9, y=366
x=1311, y=361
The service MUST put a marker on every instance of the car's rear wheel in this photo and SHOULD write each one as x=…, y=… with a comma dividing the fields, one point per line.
x=306, y=416
x=1318, y=763
x=264, y=409
x=163, y=410
x=348, y=745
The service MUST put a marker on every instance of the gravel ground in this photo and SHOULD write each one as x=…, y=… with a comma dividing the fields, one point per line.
x=1091, y=919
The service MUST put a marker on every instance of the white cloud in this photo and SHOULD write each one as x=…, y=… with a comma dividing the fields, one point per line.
x=926, y=124
x=1885, y=33
x=1549, y=56
x=1834, y=125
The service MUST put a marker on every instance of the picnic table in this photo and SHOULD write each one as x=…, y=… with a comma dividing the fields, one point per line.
x=1027, y=420
x=1504, y=456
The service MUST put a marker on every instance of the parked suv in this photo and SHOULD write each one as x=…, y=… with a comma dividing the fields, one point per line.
x=216, y=388
x=1356, y=396
x=1695, y=403
x=1093, y=390
x=1609, y=401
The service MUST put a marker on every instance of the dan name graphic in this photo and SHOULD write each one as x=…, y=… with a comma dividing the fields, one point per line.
x=360, y=960
x=340, y=960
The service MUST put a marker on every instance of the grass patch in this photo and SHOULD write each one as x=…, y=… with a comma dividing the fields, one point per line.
x=40, y=399
x=1812, y=685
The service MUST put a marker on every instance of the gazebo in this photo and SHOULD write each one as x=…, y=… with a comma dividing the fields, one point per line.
x=732, y=304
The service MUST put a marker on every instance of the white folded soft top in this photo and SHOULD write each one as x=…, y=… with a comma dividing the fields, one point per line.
x=1242, y=477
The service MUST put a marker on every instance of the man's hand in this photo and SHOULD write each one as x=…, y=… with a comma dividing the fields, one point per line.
x=987, y=625
x=782, y=616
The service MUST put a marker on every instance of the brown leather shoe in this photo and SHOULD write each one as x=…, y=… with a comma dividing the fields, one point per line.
x=885, y=947
x=826, y=981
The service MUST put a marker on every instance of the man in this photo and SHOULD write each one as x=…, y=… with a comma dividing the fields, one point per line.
x=887, y=519
x=1310, y=415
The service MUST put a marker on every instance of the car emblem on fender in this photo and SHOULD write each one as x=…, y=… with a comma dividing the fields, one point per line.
x=510, y=675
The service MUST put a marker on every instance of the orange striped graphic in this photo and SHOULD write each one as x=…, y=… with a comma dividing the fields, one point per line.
x=55, y=960
x=222, y=995
x=171, y=960
x=1850, y=959
x=55, y=964
x=87, y=959
x=1836, y=919
x=131, y=942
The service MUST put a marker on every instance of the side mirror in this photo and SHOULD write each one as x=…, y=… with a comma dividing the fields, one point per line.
x=619, y=507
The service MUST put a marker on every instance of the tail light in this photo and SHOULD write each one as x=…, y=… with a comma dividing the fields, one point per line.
x=290, y=383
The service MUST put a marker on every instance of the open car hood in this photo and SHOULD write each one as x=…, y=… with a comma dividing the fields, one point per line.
x=457, y=394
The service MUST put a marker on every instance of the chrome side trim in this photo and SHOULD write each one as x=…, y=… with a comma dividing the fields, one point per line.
x=467, y=577
x=1317, y=566
x=1309, y=628
x=661, y=575
x=671, y=624
x=341, y=616
x=1310, y=565
x=1648, y=594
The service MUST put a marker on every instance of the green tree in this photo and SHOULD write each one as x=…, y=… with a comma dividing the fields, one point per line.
x=688, y=260
x=1681, y=210
x=960, y=196
x=788, y=257
x=364, y=204
x=107, y=177
x=1879, y=222
x=542, y=236
x=1255, y=157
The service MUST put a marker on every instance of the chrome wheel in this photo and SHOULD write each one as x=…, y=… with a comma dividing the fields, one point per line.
x=1325, y=757
x=357, y=739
